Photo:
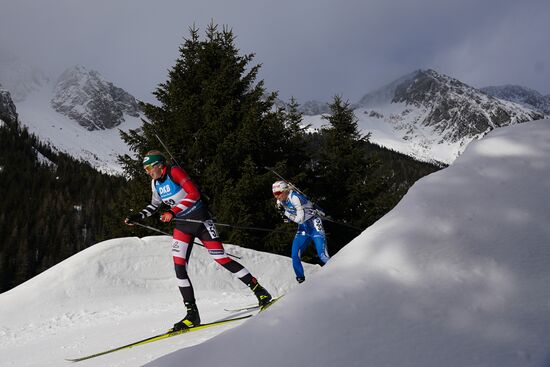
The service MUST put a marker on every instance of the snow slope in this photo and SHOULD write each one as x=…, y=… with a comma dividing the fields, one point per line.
x=456, y=275
x=120, y=291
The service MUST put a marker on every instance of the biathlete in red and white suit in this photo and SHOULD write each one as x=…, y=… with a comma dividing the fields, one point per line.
x=172, y=186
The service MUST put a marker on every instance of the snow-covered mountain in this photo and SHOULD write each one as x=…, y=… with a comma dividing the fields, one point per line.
x=522, y=95
x=75, y=113
x=431, y=116
x=455, y=275
x=7, y=107
x=425, y=114
x=95, y=103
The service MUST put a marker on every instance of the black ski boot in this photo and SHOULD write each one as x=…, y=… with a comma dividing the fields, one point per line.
x=260, y=292
x=191, y=319
x=300, y=279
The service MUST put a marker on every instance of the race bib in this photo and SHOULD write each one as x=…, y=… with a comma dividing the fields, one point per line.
x=211, y=228
x=318, y=224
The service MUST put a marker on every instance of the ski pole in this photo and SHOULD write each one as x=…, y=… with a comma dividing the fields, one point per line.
x=168, y=234
x=233, y=226
x=342, y=224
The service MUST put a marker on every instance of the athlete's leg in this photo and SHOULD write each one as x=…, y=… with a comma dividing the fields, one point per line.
x=182, y=245
x=211, y=241
x=317, y=232
x=321, y=247
x=299, y=244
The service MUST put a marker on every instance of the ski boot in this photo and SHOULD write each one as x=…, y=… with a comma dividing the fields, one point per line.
x=260, y=292
x=191, y=319
x=300, y=279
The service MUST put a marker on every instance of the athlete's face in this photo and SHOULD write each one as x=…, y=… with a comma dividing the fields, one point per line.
x=154, y=171
x=281, y=195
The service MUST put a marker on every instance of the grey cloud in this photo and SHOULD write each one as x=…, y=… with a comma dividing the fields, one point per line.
x=309, y=49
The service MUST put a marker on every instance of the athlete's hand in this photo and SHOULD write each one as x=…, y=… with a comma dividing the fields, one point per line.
x=166, y=217
x=290, y=216
x=280, y=209
x=133, y=217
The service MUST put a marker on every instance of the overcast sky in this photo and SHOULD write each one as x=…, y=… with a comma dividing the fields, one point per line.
x=309, y=49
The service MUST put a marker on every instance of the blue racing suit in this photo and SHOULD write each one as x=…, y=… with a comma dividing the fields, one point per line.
x=300, y=210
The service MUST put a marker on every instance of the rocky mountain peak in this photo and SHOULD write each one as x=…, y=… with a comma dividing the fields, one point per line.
x=425, y=86
x=522, y=95
x=430, y=115
x=8, y=112
x=455, y=109
x=95, y=103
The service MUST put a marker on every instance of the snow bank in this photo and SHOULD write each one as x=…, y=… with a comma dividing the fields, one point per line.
x=120, y=291
x=456, y=275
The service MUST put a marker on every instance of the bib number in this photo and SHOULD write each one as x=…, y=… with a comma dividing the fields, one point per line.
x=211, y=228
x=318, y=224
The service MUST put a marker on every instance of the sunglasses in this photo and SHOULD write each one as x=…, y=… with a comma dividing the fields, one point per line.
x=149, y=167
x=277, y=193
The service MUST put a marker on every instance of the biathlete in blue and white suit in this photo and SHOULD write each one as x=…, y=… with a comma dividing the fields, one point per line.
x=300, y=210
x=172, y=186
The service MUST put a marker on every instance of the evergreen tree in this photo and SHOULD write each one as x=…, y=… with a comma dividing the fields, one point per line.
x=343, y=167
x=342, y=162
x=280, y=240
x=40, y=225
x=217, y=123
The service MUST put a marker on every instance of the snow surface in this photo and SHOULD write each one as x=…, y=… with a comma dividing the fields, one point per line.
x=120, y=291
x=455, y=275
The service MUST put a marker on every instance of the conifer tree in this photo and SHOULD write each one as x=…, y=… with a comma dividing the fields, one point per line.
x=343, y=162
x=222, y=127
x=343, y=167
x=296, y=141
x=41, y=230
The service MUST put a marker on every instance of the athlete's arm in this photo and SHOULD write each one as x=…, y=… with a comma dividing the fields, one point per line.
x=193, y=195
x=300, y=213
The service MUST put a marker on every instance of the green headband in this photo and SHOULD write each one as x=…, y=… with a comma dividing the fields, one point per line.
x=153, y=159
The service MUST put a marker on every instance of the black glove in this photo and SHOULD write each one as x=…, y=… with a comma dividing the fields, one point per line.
x=134, y=217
